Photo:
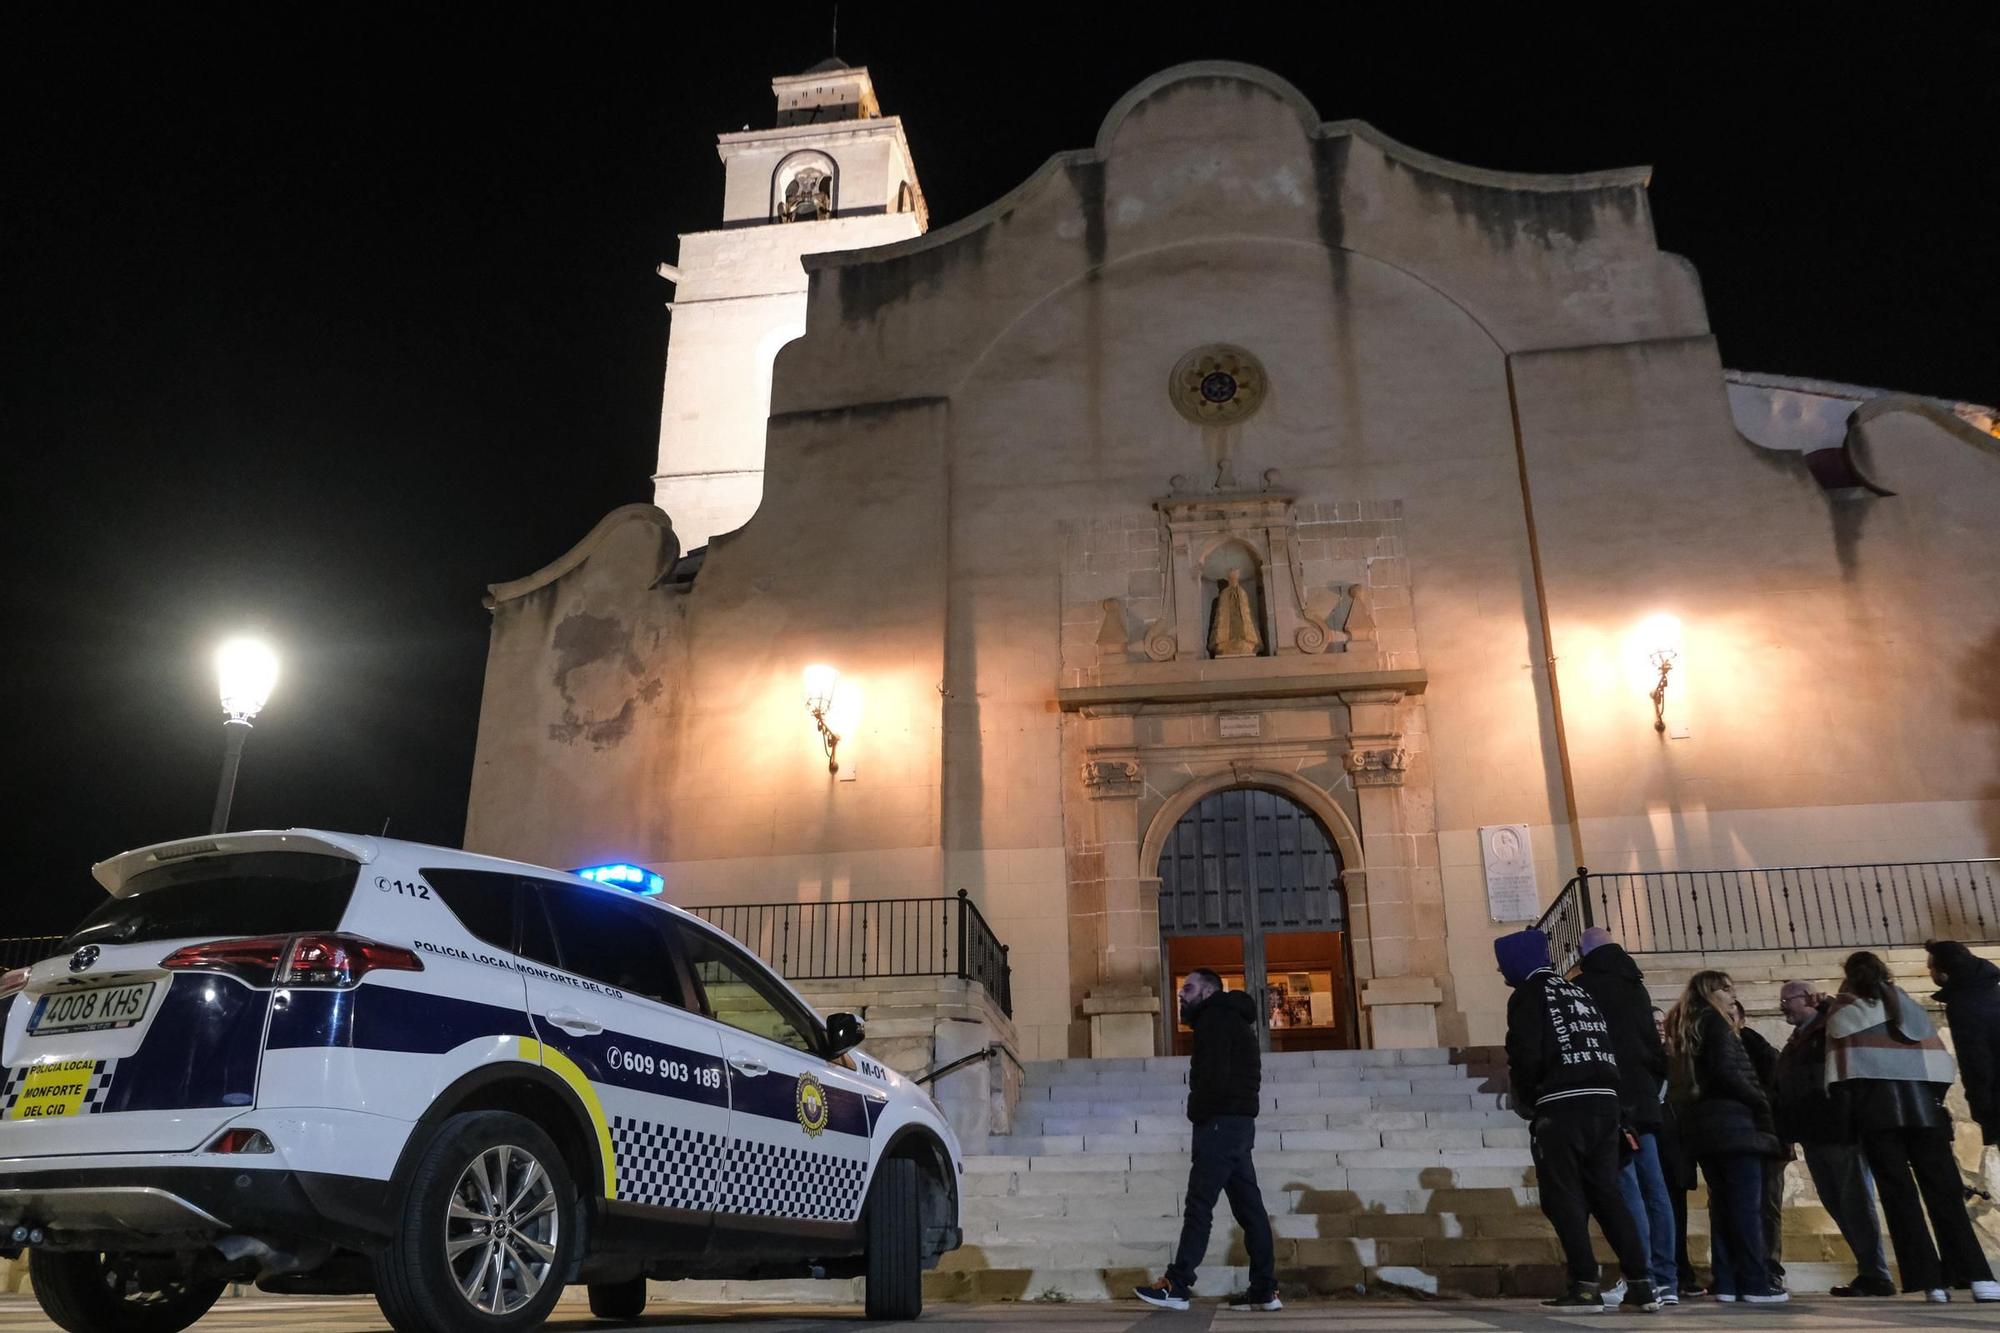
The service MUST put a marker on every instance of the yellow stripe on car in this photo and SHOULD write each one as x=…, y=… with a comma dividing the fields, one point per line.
x=566, y=1069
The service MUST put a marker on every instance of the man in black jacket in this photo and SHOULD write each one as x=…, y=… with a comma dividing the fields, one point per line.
x=1565, y=1084
x=1224, y=1080
x=1618, y=988
x=1806, y=1116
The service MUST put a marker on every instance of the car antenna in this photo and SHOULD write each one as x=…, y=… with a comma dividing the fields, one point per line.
x=385, y=827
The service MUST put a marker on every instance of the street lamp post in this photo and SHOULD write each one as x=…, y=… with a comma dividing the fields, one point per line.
x=246, y=669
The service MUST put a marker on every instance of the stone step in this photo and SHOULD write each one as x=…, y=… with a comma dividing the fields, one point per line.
x=1305, y=1133
x=1383, y=1080
x=1155, y=1222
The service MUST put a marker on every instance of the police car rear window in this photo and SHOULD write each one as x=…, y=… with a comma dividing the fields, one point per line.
x=255, y=893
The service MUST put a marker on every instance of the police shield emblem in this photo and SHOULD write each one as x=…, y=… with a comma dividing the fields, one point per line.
x=812, y=1105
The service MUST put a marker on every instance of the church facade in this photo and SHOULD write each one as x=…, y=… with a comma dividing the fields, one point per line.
x=1249, y=543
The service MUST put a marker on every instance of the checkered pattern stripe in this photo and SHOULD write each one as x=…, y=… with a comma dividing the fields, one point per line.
x=664, y=1165
x=99, y=1090
x=765, y=1180
x=670, y=1167
x=15, y=1078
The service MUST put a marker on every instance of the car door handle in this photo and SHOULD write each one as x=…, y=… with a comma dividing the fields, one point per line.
x=572, y=1020
x=748, y=1066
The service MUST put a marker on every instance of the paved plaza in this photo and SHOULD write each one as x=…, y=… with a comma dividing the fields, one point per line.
x=1821, y=1315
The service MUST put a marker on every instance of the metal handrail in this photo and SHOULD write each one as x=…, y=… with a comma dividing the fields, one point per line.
x=865, y=938
x=1859, y=905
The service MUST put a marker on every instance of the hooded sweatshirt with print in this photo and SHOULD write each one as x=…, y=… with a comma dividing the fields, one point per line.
x=1559, y=1049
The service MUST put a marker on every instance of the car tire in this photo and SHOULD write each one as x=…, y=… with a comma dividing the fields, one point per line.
x=89, y=1292
x=513, y=1229
x=895, y=1242
x=619, y=1300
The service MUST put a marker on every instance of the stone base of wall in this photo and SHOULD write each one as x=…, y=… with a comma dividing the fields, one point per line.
x=917, y=1024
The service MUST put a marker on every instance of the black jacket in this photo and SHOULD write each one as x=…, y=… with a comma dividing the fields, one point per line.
x=1971, y=998
x=1558, y=1047
x=1226, y=1072
x=1763, y=1057
x=1618, y=988
x=1799, y=1102
x=1718, y=1100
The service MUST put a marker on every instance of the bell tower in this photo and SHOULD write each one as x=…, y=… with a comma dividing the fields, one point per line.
x=833, y=173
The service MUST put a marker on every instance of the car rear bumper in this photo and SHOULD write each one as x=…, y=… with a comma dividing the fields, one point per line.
x=187, y=1207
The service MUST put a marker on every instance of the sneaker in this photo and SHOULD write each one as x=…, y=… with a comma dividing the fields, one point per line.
x=1640, y=1296
x=1865, y=1286
x=1167, y=1293
x=1254, y=1300
x=1615, y=1293
x=1938, y=1296
x=1581, y=1298
x=1670, y=1298
x=1725, y=1296
x=1778, y=1297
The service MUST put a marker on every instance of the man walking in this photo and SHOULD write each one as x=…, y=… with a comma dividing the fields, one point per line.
x=1565, y=1083
x=1223, y=1096
x=1618, y=988
x=1805, y=1116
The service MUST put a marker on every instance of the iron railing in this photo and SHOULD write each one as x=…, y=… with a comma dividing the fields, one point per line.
x=21, y=950
x=872, y=937
x=1779, y=907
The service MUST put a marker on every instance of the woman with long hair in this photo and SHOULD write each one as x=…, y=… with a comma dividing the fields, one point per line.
x=1888, y=1071
x=1725, y=1125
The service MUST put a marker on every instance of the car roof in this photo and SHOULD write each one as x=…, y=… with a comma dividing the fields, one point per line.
x=116, y=873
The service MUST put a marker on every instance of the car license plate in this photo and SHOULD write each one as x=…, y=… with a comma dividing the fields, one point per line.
x=91, y=1010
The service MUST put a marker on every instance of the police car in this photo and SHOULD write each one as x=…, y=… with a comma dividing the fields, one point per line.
x=330, y=1063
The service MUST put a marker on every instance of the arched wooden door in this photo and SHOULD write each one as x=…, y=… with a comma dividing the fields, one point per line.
x=1250, y=887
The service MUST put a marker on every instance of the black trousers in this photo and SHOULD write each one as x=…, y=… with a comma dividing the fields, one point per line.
x=1222, y=1165
x=1915, y=1174
x=1576, y=1170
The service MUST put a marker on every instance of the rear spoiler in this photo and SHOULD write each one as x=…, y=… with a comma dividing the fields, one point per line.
x=116, y=872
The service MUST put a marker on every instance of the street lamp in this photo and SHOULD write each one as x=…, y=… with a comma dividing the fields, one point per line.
x=246, y=669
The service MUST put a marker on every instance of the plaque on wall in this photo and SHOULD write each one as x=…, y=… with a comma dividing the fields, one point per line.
x=1511, y=892
x=1236, y=725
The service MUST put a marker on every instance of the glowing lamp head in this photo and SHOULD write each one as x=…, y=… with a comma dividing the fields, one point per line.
x=633, y=879
x=246, y=669
x=821, y=683
x=1660, y=638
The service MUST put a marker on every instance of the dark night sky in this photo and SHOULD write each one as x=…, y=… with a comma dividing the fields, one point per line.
x=322, y=324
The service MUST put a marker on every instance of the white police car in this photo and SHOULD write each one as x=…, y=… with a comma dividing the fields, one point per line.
x=330, y=1063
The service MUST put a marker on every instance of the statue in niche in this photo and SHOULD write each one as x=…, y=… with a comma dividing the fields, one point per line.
x=1235, y=633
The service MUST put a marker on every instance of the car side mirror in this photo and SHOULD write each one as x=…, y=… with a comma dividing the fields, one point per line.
x=843, y=1033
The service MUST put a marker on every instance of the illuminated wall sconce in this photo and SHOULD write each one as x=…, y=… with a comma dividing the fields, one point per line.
x=822, y=683
x=1660, y=638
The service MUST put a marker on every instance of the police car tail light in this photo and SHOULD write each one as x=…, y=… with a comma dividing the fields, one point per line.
x=342, y=960
x=241, y=1140
x=13, y=981
x=295, y=960
x=253, y=960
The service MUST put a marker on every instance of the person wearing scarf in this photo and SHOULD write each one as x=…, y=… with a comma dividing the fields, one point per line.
x=1887, y=1071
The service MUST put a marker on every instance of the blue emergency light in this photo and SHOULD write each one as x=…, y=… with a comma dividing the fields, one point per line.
x=619, y=875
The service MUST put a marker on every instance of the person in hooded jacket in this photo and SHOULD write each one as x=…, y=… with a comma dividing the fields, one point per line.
x=1969, y=990
x=1888, y=1071
x=1564, y=1076
x=1725, y=1123
x=1225, y=1077
x=1616, y=985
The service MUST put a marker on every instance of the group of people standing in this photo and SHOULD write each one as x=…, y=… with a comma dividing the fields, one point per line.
x=1626, y=1104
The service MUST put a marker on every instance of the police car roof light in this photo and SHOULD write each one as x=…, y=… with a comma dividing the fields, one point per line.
x=619, y=875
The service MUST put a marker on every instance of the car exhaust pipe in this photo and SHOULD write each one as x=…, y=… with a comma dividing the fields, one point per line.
x=270, y=1260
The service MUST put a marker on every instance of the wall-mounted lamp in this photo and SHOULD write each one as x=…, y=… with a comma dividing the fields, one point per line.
x=1660, y=639
x=822, y=682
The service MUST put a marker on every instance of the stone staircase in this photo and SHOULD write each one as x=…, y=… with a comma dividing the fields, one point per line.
x=1383, y=1171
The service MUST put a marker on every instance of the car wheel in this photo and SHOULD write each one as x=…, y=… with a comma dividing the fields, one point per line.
x=895, y=1242
x=89, y=1292
x=487, y=1232
x=619, y=1300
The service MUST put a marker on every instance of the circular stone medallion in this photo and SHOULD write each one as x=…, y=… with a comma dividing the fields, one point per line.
x=1217, y=385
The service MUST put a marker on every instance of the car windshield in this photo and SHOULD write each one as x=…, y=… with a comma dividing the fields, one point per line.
x=254, y=893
